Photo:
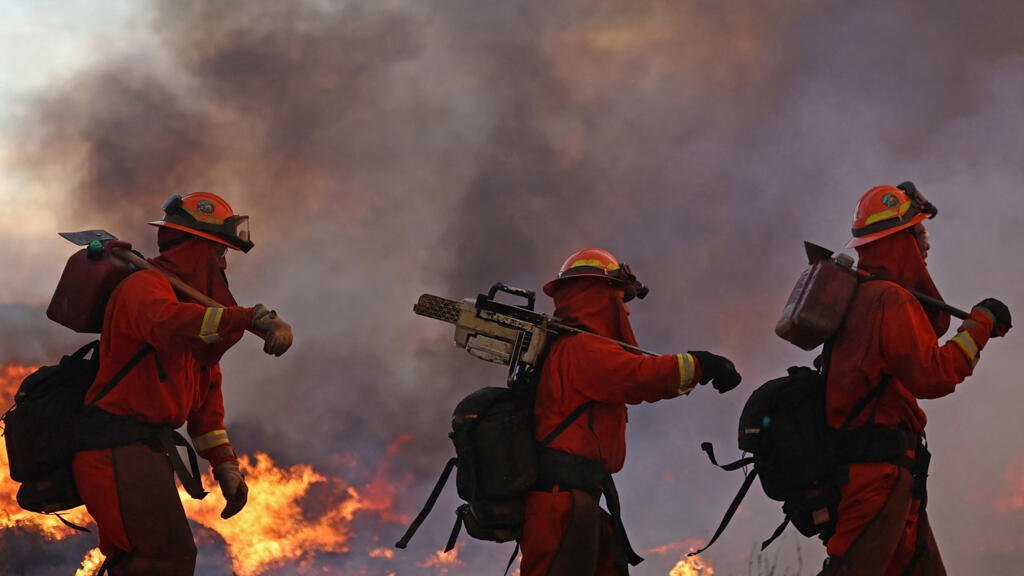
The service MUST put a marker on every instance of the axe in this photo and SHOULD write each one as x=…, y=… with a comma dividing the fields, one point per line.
x=817, y=253
x=85, y=237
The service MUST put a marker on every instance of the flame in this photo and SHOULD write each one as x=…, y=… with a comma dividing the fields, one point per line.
x=443, y=560
x=91, y=563
x=277, y=526
x=693, y=566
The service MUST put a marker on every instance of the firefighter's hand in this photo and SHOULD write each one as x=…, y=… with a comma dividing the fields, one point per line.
x=999, y=312
x=276, y=333
x=232, y=486
x=718, y=370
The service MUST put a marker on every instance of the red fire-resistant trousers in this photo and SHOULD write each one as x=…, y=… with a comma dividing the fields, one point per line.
x=567, y=534
x=880, y=526
x=130, y=492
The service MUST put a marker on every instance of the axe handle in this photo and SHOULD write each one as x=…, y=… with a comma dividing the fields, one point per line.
x=179, y=284
x=951, y=310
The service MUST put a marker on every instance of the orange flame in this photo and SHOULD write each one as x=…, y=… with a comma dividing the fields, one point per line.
x=693, y=566
x=91, y=563
x=273, y=529
x=444, y=561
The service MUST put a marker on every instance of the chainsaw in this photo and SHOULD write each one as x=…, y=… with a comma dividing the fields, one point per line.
x=509, y=334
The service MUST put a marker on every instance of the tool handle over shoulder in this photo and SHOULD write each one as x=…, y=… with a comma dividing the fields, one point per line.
x=179, y=284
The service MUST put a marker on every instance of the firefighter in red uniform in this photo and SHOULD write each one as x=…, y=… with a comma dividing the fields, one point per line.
x=585, y=383
x=884, y=358
x=167, y=349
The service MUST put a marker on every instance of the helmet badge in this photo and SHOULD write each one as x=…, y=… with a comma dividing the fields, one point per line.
x=205, y=206
x=889, y=200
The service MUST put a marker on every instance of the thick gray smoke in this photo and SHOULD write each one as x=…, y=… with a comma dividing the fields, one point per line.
x=384, y=149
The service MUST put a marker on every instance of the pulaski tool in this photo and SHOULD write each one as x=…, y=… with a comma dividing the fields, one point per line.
x=96, y=243
x=817, y=253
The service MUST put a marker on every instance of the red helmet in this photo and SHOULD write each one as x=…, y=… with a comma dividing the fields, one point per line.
x=597, y=263
x=208, y=216
x=885, y=210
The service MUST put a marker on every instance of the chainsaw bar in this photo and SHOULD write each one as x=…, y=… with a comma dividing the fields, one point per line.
x=438, y=308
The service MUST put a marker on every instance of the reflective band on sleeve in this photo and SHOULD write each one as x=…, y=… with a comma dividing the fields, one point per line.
x=887, y=214
x=966, y=343
x=686, y=373
x=211, y=321
x=210, y=440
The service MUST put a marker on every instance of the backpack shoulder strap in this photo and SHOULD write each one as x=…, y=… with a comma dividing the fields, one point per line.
x=572, y=417
x=142, y=353
x=873, y=394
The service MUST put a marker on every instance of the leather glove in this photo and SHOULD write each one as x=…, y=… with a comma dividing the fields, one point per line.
x=718, y=370
x=276, y=333
x=232, y=487
x=1000, y=312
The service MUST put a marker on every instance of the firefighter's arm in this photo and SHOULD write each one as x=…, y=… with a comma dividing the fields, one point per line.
x=160, y=319
x=605, y=372
x=206, y=423
x=912, y=354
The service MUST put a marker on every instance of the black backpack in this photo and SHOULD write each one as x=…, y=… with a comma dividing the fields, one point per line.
x=40, y=428
x=798, y=457
x=497, y=460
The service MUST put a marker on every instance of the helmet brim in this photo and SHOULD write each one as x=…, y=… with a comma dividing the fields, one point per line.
x=868, y=238
x=550, y=287
x=199, y=233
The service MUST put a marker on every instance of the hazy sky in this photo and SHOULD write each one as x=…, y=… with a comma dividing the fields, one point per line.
x=390, y=148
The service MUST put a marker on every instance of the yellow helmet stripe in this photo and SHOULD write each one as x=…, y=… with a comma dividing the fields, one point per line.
x=896, y=212
x=608, y=267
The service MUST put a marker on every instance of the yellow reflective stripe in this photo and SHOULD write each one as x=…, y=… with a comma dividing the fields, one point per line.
x=210, y=440
x=966, y=343
x=211, y=322
x=596, y=264
x=887, y=214
x=687, y=371
x=204, y=217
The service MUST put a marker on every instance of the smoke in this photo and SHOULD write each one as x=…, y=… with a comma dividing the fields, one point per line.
x=384, y=149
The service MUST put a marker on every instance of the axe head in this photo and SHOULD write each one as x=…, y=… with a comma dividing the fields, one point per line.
x=85, y=236
x=816, y=253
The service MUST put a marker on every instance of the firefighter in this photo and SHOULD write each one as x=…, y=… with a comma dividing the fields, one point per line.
x=566, y=532
x=170, y=348
x=884, y=358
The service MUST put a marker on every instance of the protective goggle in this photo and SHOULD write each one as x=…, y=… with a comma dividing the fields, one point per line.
x=623, y=275
x=634, y=287
x=920, y=204
x=234, y=229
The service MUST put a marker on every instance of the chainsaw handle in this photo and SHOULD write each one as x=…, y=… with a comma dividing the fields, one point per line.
x=531, y=297
x=179, y=284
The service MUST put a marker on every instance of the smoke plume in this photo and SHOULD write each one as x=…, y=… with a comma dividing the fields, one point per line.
x=385, y=149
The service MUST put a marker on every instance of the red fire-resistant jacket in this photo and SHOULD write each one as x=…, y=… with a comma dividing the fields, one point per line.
x=887, y=331
x=189, y=340
x=583, y=367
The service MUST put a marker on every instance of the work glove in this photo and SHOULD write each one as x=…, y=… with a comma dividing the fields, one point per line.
x=718, y=370
x=276, y=333
x=232, y=486
x=999, y=312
